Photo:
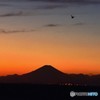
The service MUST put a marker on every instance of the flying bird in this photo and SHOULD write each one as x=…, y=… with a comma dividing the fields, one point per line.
x=72, y=17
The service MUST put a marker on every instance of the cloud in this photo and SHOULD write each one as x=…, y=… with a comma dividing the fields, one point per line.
x=53, y=6
x=20, y=13
x=75, y=1
x=64, y=0
x=85, y=1
x=4, y=4
x=70, y=1
x=3, y=31
x=51, y=25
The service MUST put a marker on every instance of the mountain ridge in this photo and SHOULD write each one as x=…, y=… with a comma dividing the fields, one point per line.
x=47, y=74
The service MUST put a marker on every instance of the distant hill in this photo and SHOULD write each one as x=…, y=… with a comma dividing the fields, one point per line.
x=49, y=75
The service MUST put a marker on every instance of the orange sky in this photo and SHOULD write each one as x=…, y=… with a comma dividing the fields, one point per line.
x=49, y=36
x=21, y=55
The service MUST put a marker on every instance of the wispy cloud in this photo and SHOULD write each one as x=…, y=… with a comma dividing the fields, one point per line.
x=71, y=1
x=1, y=4
x=80, y=0
x=3, y=31
x=51, y=25
x=10, y=14
x=51, y=6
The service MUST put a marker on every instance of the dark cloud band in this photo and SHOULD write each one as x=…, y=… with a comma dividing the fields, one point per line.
x=20, y=13
x=51, y=25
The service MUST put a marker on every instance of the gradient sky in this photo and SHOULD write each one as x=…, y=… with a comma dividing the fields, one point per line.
x=33, y=34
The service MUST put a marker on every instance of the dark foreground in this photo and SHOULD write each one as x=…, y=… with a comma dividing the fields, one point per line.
x=44, y=92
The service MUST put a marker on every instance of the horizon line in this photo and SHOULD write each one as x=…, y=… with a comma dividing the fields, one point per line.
x=90, y=74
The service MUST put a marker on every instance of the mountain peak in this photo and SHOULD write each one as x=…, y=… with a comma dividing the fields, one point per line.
x=47, y=67
x=46, y=74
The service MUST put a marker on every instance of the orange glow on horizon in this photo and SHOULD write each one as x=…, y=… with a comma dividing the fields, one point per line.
x=21, y=54
x=40, y=36
x=66, y=68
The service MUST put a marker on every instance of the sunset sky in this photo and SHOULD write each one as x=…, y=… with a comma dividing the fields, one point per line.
x=33, y=34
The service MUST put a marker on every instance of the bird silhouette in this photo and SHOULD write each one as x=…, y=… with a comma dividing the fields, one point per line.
x=72, y=17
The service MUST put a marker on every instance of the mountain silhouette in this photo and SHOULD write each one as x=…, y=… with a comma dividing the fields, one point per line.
x=47, y=74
